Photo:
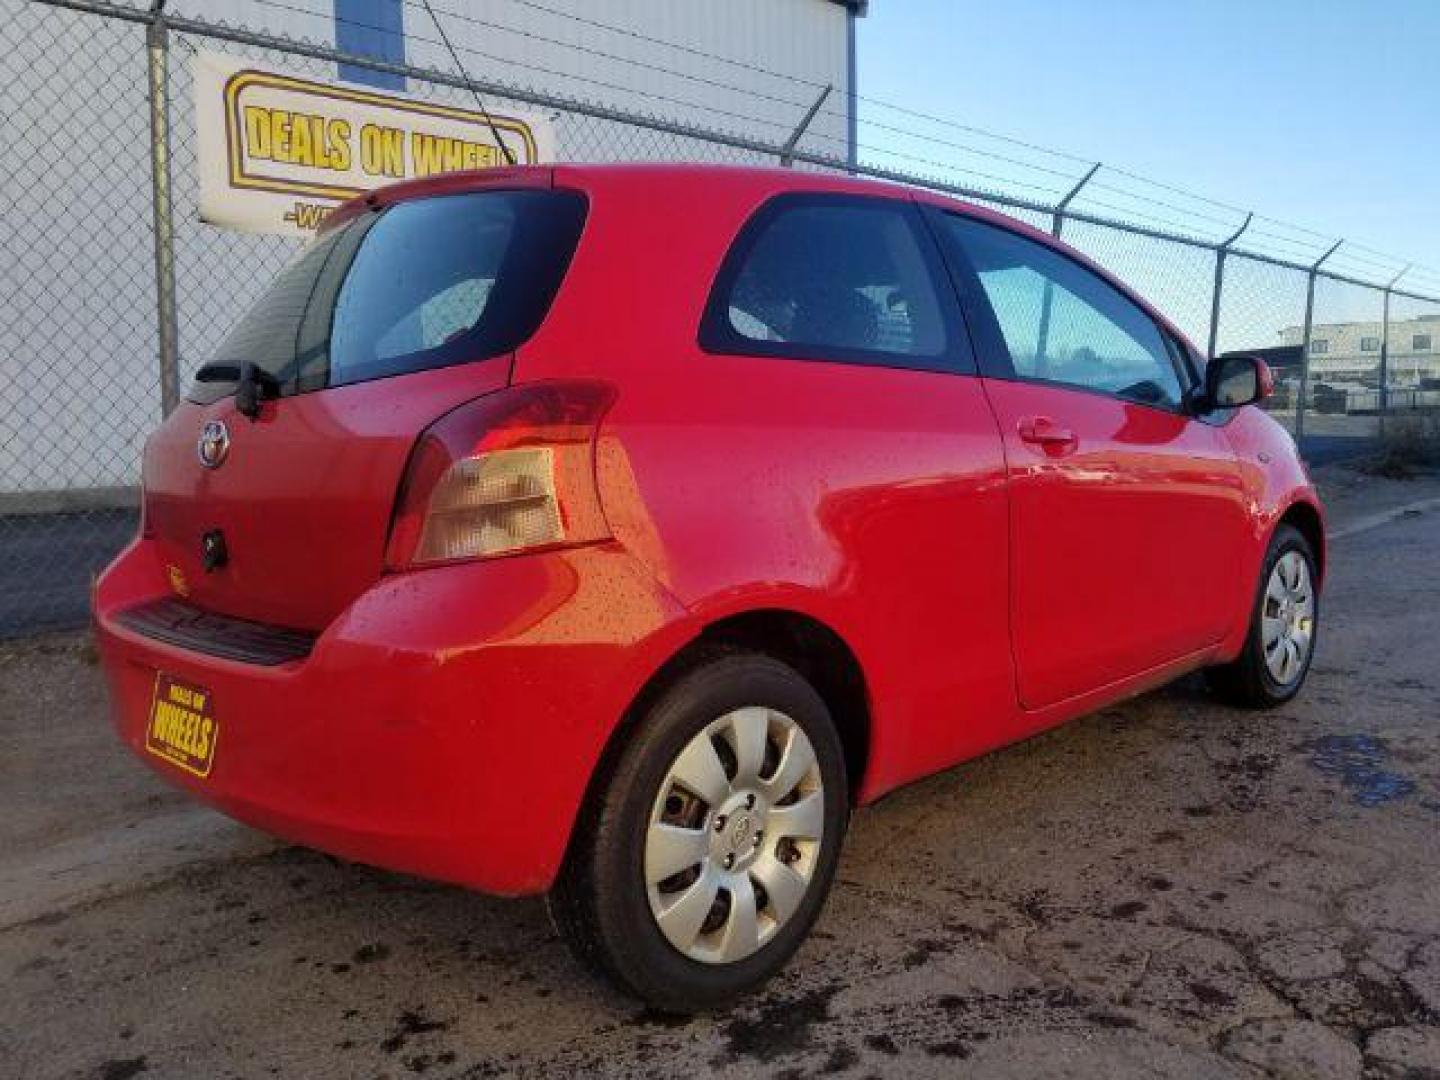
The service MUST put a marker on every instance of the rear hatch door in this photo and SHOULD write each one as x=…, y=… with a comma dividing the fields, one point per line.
x=377, y=329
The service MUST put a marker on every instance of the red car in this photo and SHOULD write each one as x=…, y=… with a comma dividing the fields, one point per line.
x=614, y=531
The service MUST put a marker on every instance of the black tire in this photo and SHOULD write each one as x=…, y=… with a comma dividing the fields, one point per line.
x=600, y=903
x=1247, y=680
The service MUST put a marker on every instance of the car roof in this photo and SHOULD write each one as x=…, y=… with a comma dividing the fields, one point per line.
x=760, y=180
x=582, y=175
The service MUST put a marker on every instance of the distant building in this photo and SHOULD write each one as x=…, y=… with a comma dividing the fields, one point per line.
x=1284, y=360
x=1350, y=352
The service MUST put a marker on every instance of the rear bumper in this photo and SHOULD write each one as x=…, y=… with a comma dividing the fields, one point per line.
x=446, y=724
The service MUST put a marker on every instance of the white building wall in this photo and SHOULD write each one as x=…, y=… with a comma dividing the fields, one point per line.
x=1338, y=350
x=78, y=348
x=802, y=41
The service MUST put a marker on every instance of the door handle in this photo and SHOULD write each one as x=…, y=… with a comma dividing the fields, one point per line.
x=1044, y=432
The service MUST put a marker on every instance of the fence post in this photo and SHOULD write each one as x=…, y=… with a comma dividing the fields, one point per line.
x=1220, y=253
x=1385, y=348
x=1057, y=220
x=787, y=152
x=1047, y=298
x=162, y=210
x=1305, y=340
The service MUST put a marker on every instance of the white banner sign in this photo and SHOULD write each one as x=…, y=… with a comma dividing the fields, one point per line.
x=277, y=153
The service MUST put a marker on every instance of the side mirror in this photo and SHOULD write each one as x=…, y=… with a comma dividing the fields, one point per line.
x=1233, y=381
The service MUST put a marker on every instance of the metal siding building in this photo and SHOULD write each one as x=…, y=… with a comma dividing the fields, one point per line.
x=804, y=42
x=751, y=66
x=82, y=326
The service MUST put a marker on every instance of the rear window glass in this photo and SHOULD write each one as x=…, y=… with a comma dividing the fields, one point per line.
x=423, y=284
x=444, y=280
x=268, y=333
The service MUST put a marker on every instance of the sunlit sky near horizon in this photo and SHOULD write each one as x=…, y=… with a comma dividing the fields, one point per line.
x=1319, y=113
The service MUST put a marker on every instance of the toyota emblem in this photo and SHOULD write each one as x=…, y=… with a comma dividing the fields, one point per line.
x=214, y=444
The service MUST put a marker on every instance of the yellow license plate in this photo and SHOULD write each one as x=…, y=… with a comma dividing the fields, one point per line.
x=182, y=728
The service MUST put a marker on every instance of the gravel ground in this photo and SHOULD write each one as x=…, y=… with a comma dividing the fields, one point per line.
x=1168, y=888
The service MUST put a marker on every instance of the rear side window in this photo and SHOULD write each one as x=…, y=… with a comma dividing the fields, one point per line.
x=1061, y=323
x=835, y=278
x=423, y=284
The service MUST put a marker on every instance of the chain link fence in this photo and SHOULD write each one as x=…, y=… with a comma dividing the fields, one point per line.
x=85, y=312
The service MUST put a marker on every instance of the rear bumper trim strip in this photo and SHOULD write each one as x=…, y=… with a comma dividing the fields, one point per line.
x=178, y=623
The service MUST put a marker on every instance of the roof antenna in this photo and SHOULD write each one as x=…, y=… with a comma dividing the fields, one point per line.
x=494, y=131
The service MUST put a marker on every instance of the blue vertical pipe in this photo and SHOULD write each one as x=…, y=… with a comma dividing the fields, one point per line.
x=374, y=28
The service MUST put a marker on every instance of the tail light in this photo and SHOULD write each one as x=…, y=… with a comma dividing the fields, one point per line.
x=512, y=471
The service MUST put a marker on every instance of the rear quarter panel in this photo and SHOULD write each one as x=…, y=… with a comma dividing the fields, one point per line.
x=871, y=499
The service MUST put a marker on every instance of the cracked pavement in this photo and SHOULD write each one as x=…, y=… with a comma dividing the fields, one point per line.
x=1167, y=888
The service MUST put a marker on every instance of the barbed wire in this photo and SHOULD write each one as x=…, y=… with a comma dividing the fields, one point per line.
x=788, y=124
x=1067, y=175
x=737, y=63
x=668, y=99
x=1282, y=234
x=1391, y=261
x=1189, y=215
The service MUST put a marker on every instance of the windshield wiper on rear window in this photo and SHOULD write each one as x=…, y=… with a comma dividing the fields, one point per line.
x=253, y=384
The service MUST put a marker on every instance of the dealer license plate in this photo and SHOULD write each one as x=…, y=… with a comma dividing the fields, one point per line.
x=182, y=727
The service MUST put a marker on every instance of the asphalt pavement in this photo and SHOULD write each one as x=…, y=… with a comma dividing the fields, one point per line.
x=47, y=562
x=1168, y=888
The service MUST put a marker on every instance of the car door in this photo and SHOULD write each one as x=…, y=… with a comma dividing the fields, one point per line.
x=1126, y=511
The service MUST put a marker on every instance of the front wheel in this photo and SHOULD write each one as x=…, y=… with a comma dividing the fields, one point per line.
x=1281, y=643
x=701, y=865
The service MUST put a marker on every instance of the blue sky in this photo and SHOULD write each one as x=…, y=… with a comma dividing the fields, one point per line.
x=1322, y=113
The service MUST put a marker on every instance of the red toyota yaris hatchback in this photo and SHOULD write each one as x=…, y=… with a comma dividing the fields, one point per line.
x=613, y=532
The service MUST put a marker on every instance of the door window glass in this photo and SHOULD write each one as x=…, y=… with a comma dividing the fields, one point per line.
x=1062, y=323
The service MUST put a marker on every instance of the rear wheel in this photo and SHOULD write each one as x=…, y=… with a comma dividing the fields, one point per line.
x=1281, y=642
x=702, y=864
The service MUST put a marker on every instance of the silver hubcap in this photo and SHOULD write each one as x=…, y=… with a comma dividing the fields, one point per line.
x=1287, y=620
x=734, y=835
